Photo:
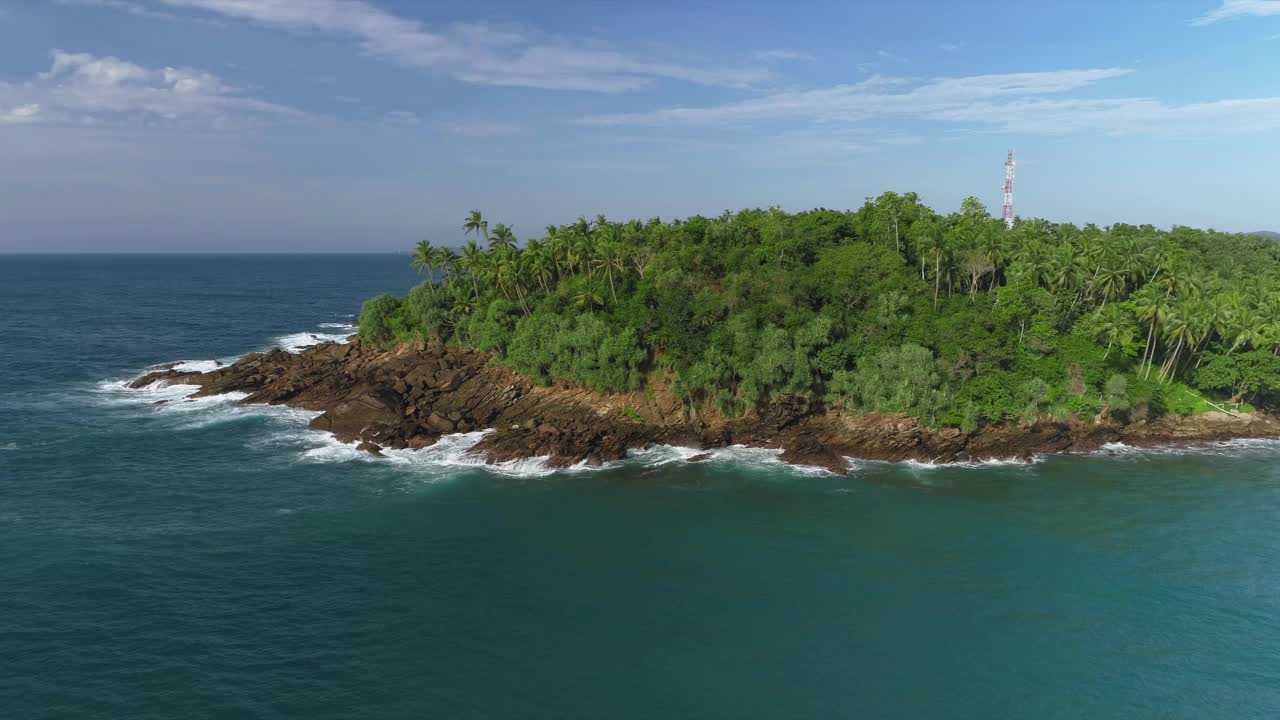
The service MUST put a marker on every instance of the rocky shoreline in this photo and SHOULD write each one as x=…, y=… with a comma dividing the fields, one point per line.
x=409, y=396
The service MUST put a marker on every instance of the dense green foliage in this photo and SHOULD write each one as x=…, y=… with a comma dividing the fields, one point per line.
x=891, y=308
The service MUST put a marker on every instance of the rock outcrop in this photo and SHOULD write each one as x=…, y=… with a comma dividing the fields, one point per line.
x=408, y=396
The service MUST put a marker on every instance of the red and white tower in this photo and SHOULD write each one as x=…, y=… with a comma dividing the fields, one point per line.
x=1008, y=191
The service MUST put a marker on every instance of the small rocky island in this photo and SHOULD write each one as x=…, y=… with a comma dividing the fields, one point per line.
x=409, y=395
x=890, y=332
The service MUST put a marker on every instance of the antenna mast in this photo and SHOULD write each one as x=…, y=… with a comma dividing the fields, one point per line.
x=1008, y=191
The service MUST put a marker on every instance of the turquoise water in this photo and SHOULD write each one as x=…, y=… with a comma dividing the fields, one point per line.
x=192, y=560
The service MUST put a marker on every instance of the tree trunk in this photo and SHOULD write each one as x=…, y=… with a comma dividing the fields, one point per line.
x=937, y=277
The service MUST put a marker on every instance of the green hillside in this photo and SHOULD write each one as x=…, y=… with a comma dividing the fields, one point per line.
x=893, y=307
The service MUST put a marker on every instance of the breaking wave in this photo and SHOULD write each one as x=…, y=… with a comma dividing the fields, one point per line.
x=333, y=332
x=453, y=452
x=197, y=365
x=985, y=463
x=1221, y=448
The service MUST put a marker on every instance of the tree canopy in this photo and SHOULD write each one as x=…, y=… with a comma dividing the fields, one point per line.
x=953, y=318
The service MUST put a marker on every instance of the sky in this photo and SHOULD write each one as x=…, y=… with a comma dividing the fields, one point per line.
x=366, y=125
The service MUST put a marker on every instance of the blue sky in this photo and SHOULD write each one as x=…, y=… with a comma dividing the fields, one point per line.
x=342, y=125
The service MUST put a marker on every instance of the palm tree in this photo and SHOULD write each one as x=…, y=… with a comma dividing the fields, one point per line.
x=1181, y=331
x=424, y=258
x=1109, y=284
x=475, y=223
x=1154, y=309
x=503, y=239
x=539, y=263
x=1247, y=327
x=1116, y=325
x=445, y=259
x=927, y=239
x=507, y=273
x=472, y=263
x=558, y=247
x=588, y=299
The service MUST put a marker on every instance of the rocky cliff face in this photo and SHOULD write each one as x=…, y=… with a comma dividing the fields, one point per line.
x=407, y=397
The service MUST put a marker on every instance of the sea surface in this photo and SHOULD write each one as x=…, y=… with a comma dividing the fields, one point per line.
x=209, y=560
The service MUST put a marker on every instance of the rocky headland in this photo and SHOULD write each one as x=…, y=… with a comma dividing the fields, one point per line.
x=409, y=396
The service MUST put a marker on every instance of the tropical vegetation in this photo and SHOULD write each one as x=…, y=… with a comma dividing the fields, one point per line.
x=955, y=319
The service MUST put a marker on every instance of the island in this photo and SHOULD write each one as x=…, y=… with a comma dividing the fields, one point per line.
x=891, y=333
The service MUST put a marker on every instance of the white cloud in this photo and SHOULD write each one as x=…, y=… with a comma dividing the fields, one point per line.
x=871, y=97
x=783, y=56
x=1016, y=102
x=1239, y=8
x=82, y=88
x=401, y=117
x=475, y=53
x=133, y=8
x=949, y=47
x=21, y=114
x=890, y=56
x=1122, y=116
x=481, y=129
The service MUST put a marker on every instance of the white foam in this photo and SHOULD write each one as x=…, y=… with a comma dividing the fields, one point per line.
x=9, y=446
x=455, y=451
x=202, y=366
x=297, y=342
x=174, y=401
x=658, y=455
x=1220, y=448
x=767, y=458
x=118, y=392
x=984, y=463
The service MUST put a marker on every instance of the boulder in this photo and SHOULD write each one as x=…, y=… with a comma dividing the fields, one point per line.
x=440, y=422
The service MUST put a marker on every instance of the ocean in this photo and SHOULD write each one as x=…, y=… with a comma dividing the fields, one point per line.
x=210, y=560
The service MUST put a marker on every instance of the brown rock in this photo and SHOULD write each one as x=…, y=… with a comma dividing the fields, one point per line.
x=406, y=396
x=441, y=423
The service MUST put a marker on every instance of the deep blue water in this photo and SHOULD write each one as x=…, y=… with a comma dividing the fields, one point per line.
x=193, y=560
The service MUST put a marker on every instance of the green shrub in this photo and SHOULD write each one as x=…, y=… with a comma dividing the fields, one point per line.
x=583, y=350
x=902, y=380
x=374, y=317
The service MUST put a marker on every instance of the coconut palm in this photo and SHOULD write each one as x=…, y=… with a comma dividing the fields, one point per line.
x=1109, y=284
x=446, y=258
x=503, y=239
x=424, y=260
x=1152, y=307
x=471, y=262
x=588, y=299
x=507, y=274
x=1247, y=327
x=1181, y=331
x=1116, y=325
x=539, y=263
x=475, y=223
